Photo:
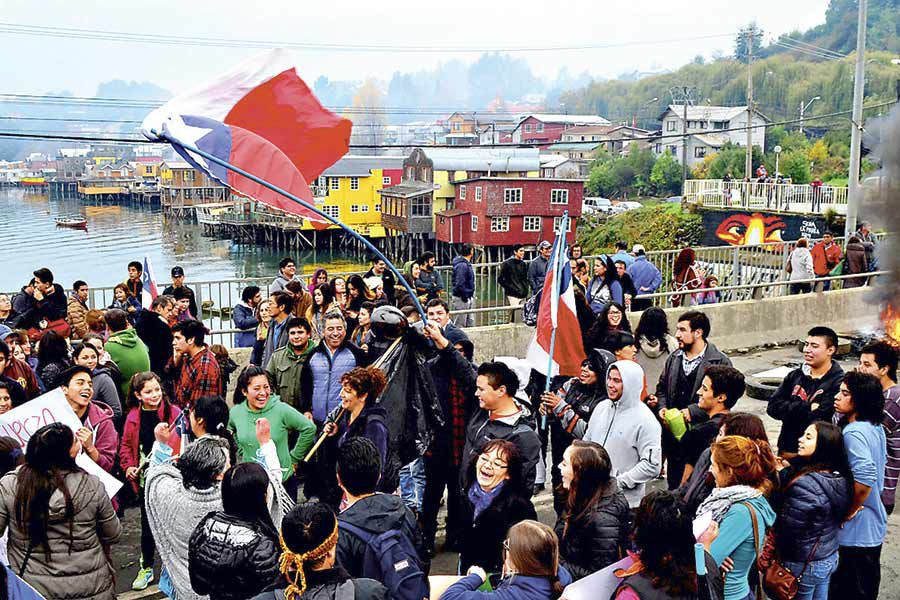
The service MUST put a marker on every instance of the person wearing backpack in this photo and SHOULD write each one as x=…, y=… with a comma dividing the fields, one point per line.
x=309, y=534
x=379, y=537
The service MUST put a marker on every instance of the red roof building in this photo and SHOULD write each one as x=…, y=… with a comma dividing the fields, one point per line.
x=503, y=211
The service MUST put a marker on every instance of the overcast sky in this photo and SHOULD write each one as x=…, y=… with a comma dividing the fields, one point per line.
x=35, y=65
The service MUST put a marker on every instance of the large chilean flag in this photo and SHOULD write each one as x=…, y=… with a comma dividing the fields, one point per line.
x=263, y=118
x=557, y=312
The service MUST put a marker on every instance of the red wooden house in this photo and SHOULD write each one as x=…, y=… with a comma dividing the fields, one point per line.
x=548, y=129
x=502, y=211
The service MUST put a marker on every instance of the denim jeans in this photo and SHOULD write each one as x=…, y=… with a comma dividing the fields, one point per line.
x=412, y=484
x=814, y=584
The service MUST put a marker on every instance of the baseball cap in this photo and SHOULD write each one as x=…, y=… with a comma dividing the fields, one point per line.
x=638, y=249
x=4, y=332
x=544, y=244
x=177, y=272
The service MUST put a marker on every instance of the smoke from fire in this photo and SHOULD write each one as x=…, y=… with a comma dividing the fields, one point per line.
x=881, y=204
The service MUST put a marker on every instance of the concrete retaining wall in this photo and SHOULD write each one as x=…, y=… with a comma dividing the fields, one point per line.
x=734, y=325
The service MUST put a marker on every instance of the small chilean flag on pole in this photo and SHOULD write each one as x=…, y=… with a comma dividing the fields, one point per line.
x=148, y=284
x=556, y=348
x=262, y=118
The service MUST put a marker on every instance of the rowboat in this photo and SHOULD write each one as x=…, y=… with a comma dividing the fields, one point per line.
x=72, y=222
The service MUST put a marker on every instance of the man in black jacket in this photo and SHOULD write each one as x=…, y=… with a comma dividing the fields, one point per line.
x=681, y=378
x=379, y=269
x=454, y=378
x=153, y=329
x=178, y=283
x=513, y=276
x=807, y=394
x=358, y=470
x=49, y=302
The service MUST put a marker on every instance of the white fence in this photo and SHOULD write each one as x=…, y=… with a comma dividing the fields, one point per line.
x=786, y=197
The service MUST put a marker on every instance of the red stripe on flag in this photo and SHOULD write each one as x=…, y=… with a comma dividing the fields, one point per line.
x=284, y=111
x=568, y=351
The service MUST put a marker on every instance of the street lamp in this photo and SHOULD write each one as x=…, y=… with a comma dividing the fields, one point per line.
x=777, y=150
x=803, y=109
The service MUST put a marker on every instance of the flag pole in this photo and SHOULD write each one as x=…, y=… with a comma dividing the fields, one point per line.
x=288, y=195
x=554, y=298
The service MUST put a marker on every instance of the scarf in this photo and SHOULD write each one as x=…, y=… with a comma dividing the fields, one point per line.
x=481, y=499
x=722, y=499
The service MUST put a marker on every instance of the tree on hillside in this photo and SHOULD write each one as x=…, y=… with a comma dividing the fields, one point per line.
x=618, y=177
x=748, y=37
x=666, y=175
x=367, y=115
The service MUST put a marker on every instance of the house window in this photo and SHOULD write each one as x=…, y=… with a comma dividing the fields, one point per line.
x=354, y=208
x=377, y=208
x=557, y=221
x=673, y=149
x=559, y=196
x=335, y=183
x=512, y=196
x=462, y=192
x=720, y=124
x=322, y=182
x=354, y=183
x=456, y=126
x=189, y=177
x=478, y=194
x=364, y=208
x=699, y=151
x=332, y=211
x=539, y=127
x=499, y=224
x=527, y=127
x=385, y=181
x=421, y=206
x=474, y=223
x=187, y=194
x=531, y=224
x=670, y=125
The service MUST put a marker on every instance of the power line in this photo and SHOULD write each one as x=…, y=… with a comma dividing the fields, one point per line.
x=813, y=46
x=166, y=39
x=69, y=137
x=807, y=51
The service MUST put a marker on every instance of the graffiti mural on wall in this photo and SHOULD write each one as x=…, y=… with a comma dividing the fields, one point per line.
x=742, y=228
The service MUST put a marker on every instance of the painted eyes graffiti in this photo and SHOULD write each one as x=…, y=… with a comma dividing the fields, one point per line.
x=743, y=229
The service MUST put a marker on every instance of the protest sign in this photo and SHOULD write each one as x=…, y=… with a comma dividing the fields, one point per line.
x=23, y=421
x=601, y=584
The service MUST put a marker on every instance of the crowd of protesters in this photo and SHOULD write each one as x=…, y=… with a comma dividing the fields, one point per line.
x=323, y=473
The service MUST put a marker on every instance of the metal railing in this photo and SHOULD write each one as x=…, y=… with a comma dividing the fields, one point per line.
x=742, y=271
x=785, y=197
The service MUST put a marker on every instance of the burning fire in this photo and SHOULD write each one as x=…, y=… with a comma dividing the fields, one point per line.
x=890, y=318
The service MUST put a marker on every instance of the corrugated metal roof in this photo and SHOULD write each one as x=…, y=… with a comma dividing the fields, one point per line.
x=484, y=159
x=574, y=146
x=708, y=113
x=570, y=119
x=362, y=166
x=407, y=189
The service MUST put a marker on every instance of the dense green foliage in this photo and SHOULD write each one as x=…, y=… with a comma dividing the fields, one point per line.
x=660, y=227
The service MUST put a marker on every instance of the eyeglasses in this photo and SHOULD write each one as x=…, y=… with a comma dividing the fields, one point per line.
x=494, y=463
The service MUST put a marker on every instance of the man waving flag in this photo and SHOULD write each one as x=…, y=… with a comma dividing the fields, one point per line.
x=556, y=347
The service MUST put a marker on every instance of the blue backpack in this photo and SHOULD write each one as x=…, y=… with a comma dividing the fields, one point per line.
x=391, y=559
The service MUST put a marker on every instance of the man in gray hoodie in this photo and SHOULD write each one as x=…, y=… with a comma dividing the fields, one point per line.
x=625, y=427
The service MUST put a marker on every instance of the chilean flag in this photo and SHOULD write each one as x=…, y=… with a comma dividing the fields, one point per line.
x=148, y=284
x=261, y=117
x=556, y=315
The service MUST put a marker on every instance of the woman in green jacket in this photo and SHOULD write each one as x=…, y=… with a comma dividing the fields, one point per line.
x=254, y=401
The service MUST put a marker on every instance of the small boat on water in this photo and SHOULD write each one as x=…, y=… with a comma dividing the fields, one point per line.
x=71, y=222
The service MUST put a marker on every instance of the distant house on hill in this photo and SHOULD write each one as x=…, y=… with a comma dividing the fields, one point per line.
x=709, y=128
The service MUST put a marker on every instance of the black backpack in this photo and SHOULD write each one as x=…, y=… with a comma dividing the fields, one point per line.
x=391, y=559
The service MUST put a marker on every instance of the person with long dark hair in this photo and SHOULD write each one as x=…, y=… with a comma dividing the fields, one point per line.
x=654, y=343
x=664, y=543
x=323, y=302
x=357, y=293
x=580, y=395
x=811, y=506
x=53, y=358
x=105, y=389
x=610, y=320
x=593, y=529
x=234, y=552
x=686, y=276
x=209, y=416
x=860, y=405
x=148, y=407
x=11, y=456
x=531, y=568
x=604, y=286
x=60, y=519
x=495, y=498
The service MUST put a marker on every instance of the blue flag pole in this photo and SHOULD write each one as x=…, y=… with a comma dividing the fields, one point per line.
x=290, y=196
x=554, y=299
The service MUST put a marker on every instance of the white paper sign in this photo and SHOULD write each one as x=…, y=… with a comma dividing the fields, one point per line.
x=601, y=584
x=701, y=524
x=23, y=421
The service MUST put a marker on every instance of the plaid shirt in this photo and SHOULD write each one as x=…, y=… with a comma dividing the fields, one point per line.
x=199, y=377
x=458, y=421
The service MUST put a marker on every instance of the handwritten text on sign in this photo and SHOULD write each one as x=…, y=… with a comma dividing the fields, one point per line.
x=22, y=422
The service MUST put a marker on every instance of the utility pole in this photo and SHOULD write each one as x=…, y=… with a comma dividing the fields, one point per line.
x=854, y=192
x=748, y=163
x=684, y=139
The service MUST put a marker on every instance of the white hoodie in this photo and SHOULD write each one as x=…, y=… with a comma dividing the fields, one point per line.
x=630, y=433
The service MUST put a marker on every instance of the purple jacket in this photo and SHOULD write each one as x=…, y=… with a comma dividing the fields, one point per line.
x=99, y=419
x=891, y=424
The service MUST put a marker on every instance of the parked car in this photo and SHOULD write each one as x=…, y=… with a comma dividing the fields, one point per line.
x=592, y=205
x=624, y=206
x=674, y=199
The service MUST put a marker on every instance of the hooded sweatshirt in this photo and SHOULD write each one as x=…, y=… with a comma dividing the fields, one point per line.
x=652, y=357
x=100, y=420
x=629, y=432
x=282, y=420
x=130, y=354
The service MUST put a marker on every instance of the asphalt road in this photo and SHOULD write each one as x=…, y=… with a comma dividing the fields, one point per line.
x=126, y=553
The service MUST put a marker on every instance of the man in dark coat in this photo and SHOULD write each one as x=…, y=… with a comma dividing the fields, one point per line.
x=537, y=270
x=513, y=276
x=153, y=329
x=178, y=283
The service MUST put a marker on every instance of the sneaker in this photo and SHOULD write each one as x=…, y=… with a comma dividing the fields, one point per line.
x=143, y=579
